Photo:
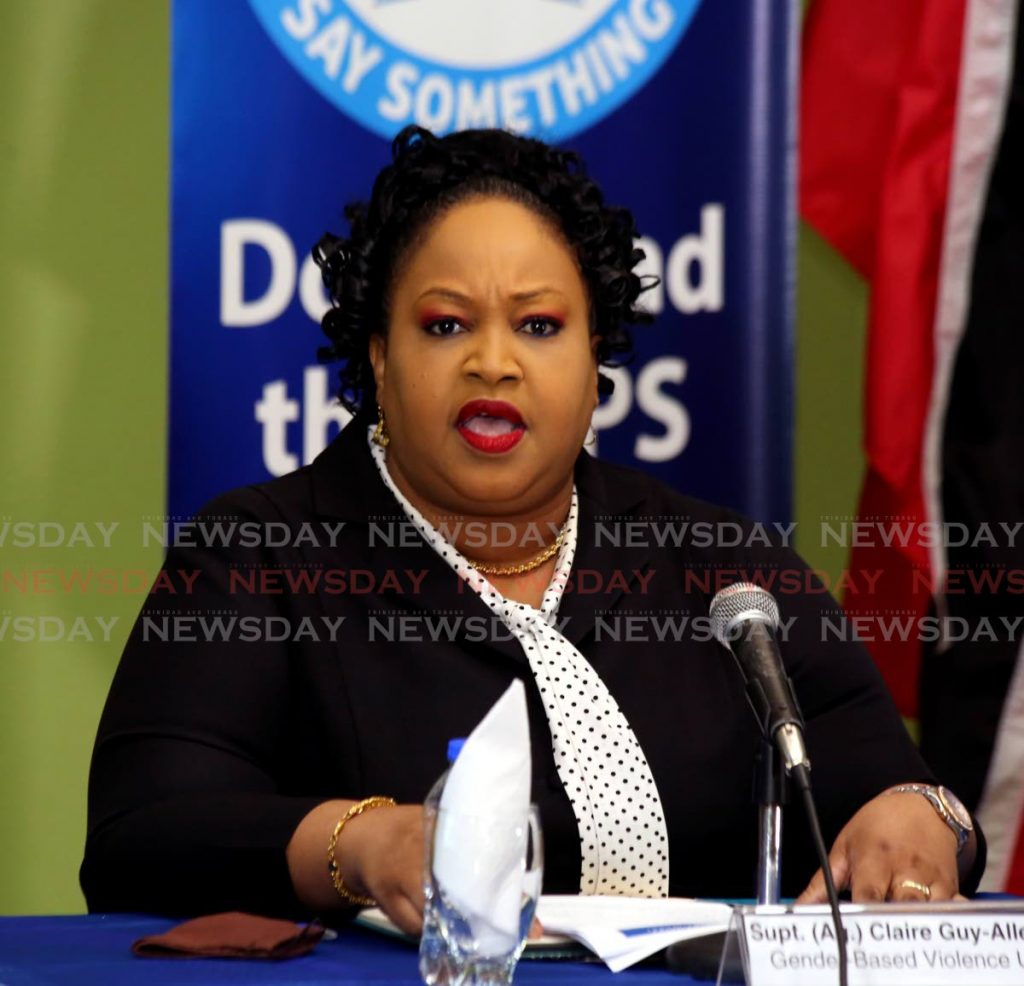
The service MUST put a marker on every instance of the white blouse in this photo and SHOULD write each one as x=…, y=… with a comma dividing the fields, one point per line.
x=621, y=821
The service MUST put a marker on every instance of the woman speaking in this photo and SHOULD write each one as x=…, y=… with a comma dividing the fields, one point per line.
x=454, y=537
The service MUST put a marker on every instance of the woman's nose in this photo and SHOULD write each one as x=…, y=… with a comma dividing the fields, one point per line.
x=493, y=354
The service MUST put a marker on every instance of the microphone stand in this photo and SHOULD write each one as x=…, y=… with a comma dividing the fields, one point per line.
x=702, y=958
x=769, y=796
x=745, y=617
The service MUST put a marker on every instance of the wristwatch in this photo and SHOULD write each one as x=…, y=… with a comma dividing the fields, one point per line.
x=950, y=808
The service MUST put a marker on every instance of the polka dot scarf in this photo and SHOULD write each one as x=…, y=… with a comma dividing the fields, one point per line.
x=623, y=836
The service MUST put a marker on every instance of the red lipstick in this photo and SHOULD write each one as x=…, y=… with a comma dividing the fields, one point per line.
x=490, y=426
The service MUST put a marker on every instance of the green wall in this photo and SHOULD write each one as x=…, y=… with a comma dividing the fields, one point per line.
x=83, y=367
x=831, y=316
x=83, y=360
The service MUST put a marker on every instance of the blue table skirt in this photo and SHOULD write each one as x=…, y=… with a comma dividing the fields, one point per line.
x=95, y=950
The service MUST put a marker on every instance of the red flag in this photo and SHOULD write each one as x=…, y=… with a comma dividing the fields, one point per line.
x=878, y=104
x=905, y=119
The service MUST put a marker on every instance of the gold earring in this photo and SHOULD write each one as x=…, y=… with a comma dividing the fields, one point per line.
x=593, y=439
x=380, y=433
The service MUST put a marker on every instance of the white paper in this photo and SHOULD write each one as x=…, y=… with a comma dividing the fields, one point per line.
x=624, y=930
x=376, y=920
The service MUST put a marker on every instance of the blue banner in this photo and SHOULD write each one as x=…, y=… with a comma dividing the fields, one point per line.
x=283, y=111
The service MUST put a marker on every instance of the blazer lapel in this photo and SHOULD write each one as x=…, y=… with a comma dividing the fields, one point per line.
x=606, y=568
x=419, y=591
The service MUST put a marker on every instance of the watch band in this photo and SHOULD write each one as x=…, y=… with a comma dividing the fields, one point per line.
x=948, y=807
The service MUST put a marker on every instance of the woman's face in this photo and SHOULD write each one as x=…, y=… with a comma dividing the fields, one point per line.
x=489, y=305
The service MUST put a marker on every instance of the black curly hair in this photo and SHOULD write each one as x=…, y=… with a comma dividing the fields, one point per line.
x=428, y=175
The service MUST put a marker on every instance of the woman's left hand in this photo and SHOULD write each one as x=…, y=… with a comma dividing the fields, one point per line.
x=896, y=841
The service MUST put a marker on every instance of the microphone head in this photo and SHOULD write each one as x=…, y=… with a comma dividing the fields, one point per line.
x=739, y=602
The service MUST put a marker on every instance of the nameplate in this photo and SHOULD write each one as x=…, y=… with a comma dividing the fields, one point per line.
x=937, y=945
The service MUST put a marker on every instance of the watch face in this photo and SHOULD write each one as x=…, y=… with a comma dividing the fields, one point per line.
x=956, y=808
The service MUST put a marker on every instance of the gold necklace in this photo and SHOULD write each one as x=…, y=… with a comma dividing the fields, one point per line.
x=522, y=567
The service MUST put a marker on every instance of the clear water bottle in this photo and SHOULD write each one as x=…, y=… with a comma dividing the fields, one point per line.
x=435, y=963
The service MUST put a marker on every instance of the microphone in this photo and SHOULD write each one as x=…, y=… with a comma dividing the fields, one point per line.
x=744, y=618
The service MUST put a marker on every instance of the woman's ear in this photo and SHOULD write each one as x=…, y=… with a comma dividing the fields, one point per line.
x=378, y=359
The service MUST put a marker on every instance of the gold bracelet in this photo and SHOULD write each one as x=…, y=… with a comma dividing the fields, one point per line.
x=332, y=864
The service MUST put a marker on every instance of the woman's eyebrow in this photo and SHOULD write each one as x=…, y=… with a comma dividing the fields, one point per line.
x=448, y=293
x=452, y=295
x=535, y=293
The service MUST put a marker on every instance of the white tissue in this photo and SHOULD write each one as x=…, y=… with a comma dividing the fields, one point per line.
x=480, y=840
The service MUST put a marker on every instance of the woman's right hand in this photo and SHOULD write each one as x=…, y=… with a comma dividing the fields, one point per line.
x=380, y=853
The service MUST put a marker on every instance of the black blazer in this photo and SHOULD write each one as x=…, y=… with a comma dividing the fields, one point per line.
x=214, y=745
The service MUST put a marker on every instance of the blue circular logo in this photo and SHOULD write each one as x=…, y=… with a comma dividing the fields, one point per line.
x=548, y=68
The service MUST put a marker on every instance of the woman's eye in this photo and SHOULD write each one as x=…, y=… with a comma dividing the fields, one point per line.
x=541, y=325
x=443, y=327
